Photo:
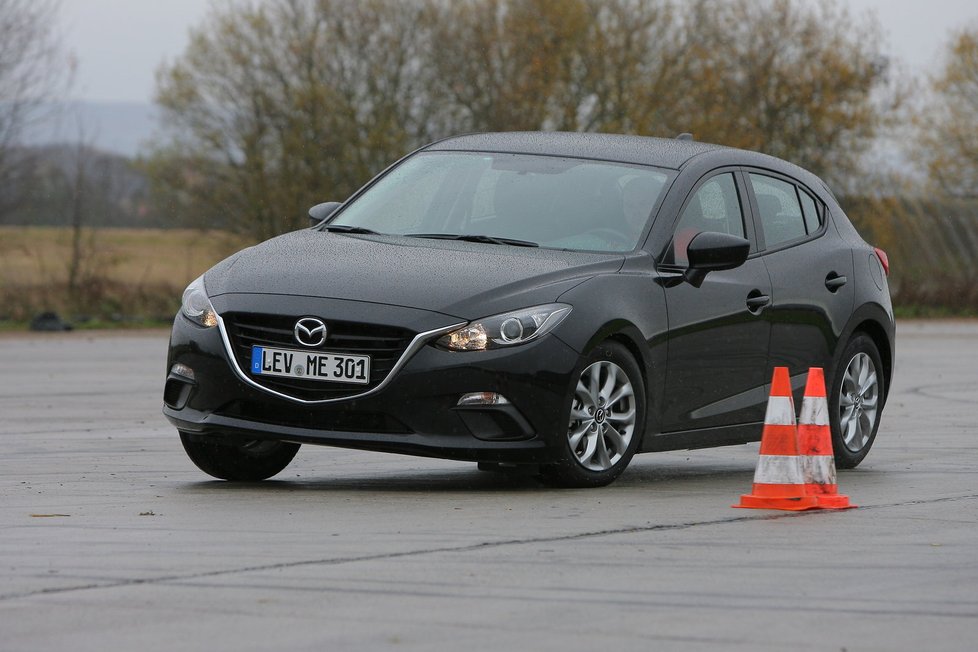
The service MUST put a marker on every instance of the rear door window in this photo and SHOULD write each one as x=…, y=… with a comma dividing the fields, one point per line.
x=781, y=214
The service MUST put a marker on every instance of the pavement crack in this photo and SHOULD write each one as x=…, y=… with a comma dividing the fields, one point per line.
x=472, y=547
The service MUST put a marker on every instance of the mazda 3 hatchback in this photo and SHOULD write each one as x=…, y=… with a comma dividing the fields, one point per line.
x=548, y=299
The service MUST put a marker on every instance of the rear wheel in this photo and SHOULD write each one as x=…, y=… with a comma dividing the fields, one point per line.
x=605, y=422
x=246, y=461
x=856, y=401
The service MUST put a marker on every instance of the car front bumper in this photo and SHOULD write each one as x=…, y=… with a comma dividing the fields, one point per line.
x=415, y=411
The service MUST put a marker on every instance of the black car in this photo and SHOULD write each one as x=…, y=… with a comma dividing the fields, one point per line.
x=548, y=299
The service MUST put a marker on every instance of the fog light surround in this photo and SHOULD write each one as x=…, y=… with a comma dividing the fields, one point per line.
x=180, y=369
x=490, y=416
x=180, y=383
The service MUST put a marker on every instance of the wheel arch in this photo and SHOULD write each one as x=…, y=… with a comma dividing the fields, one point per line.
x=876, y=333
x=871, y=321
x=628, y=335
x=649, y=356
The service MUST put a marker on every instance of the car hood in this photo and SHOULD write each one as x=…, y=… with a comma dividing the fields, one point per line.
x=460, y=279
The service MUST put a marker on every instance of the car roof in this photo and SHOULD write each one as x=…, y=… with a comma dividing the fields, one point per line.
x=669, y=153
x=644, y=150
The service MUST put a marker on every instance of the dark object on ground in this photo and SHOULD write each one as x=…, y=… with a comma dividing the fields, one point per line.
x=49, y=321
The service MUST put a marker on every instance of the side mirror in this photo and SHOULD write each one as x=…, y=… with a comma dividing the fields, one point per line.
x=320, y=212
x=712, y=252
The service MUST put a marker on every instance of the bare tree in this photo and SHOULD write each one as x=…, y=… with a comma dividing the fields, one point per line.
x=509, y=64
x=33, y=69
x=92, y=188
x=948, y=136
x=77, y=177
x=277, y=105
x=637, y=61
x=800, y=80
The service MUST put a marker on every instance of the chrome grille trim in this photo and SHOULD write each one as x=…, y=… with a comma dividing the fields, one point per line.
x=419, y=340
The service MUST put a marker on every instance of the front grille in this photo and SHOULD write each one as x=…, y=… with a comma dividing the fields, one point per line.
x=384, y=345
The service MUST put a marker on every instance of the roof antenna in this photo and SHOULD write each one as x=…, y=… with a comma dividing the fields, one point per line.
x=685, y=136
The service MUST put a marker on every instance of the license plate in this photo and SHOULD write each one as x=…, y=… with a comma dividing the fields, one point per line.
x=309, y=365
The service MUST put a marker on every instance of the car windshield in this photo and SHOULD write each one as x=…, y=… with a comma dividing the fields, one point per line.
x=547, y=201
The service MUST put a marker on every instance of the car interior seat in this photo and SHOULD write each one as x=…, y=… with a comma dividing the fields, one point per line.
x=777, y=225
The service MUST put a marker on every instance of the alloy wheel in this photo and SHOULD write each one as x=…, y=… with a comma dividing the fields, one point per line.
x=858, y=402
x=602, y=418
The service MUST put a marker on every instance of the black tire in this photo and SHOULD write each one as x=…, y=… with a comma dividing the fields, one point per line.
x=246, y=461
x=855, y=414
x=580, y=461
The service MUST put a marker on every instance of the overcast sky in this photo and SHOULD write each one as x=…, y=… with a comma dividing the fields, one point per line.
x=119, y=43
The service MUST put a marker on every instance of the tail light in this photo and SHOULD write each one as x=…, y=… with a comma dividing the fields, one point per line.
x=884, y=260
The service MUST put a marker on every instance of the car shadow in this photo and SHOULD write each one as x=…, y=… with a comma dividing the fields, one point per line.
x=467, y=479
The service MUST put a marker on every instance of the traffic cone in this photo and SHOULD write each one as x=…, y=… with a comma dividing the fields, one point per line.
x=815, y=445
x=778, y=480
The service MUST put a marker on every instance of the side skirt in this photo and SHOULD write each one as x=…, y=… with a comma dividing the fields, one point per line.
x=703, y=438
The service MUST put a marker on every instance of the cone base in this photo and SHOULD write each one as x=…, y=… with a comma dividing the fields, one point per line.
x=798, y=504
x=834, y=502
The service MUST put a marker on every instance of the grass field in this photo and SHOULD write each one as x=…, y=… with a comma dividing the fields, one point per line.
x=135, y=274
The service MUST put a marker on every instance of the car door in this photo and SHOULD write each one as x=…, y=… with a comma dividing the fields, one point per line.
x=717, y=349
x=811, y=269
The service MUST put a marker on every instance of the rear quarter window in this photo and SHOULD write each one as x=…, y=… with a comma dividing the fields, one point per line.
x=813, y=216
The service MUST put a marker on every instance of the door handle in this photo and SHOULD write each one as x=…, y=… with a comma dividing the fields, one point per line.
x=834, y=281
x=756, y=301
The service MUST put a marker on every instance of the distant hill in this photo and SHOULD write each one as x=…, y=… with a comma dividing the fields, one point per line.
x=63, y=181
x=121, y=128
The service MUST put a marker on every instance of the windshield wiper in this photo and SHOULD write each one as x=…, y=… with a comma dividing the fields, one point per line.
x=346, y=228
x=474, y=237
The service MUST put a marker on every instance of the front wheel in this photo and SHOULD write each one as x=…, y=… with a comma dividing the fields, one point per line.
x=245, y=461
x=856, y=401
x=605, y=421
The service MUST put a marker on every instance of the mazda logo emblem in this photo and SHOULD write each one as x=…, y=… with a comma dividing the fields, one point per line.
x=310, y=331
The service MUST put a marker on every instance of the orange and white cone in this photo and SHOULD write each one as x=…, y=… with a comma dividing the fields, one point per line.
x=815, y=445
x=778, y=480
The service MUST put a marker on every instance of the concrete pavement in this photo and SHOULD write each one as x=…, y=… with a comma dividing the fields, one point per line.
x=111, y=539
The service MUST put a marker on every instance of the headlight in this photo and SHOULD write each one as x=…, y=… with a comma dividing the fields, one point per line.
x=196, y=306
x=508, y=329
